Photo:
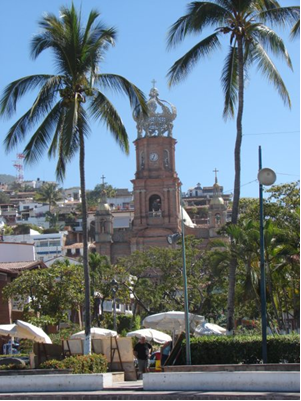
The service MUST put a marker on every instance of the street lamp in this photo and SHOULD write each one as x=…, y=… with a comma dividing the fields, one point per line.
x=114, y=285
x=266, y=177
x=171, y=239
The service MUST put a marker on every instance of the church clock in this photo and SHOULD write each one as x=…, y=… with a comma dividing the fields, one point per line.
x=153, y=157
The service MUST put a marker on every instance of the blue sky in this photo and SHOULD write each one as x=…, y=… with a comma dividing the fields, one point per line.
x=205, y=141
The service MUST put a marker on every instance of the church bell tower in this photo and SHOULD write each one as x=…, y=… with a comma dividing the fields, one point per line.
x=156, y=184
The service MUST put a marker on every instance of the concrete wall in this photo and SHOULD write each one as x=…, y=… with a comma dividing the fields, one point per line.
x=222, y=381
x=59, y=382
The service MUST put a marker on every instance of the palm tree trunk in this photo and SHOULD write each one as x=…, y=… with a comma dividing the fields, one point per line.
x=87, y=344
x=236, y=196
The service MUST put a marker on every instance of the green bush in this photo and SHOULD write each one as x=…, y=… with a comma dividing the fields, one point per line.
x=94, y=363
x=125, y=323
x=13, y=366
x=211, y=350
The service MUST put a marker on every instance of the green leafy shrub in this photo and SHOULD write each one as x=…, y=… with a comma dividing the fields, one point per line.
x=13, y=366
x=211, y=350
x=64, y=333
x=125, y=323
x=94, y=363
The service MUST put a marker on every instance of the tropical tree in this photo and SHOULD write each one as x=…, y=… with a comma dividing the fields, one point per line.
x=48, y=193
x=157, y=280
x=67, y=100
x=4, y=198
x=49, y=293
x=94, y=195
x=250, y=41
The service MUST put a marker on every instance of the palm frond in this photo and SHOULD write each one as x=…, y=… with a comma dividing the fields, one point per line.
x=119, y=84
x=230, y=82
x=17, y=132
x=40, y=140
x=16, y=89
x=46, y=97
x=54, y=146
x=265, y=64
x=102, y=109
x=182, y=67
x=67, y=137
x=280, y=16
x=271, y=41
x=295, y=32
x=200, y=15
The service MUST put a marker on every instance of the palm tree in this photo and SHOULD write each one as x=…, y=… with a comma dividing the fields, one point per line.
x=250, y=40
x=48, y=193
x=67, y=100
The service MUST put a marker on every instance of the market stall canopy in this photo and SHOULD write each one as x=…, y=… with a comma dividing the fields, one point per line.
x=96, y=332
x=209, y=329
x=173, y=321
x=150, y=335
x=26, y=330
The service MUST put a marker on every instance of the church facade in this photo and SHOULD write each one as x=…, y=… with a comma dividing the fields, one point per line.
x=157, y=191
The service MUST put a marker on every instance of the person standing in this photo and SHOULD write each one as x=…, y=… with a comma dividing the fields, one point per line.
x=165, y=352
x=142, y=352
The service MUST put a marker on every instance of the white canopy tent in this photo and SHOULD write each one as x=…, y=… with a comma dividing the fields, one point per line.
x=96, y=332
x=150, y=335
x=26, y=330
x=209, y=329
x=173, y=321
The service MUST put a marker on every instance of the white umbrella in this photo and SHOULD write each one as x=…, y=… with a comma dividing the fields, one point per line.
x=209, y=329
x=150, y=335
x=96, y=332
x=22, y=329
x=174, y=321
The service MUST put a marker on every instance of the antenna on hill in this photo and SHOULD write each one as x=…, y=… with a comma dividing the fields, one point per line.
x=18, y=164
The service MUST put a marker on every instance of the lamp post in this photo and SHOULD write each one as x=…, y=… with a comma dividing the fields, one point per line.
x=171, y=240
x=114, y=285
x=266, y=177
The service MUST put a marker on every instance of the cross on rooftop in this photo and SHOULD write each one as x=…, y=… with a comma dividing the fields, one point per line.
x=103, y=180
x=215, y=171
x=154, y=83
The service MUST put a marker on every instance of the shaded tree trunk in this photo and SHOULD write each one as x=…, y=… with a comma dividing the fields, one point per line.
x=236, y=196
x=87, y=346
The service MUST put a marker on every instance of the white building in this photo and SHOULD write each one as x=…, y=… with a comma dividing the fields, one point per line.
x=16, y=252
x=123, y=200
x=46, y=246
x=73, y=195
x=33, y=213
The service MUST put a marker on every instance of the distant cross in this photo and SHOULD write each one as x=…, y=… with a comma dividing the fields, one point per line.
x=215, y=171
x=103, y=180
x=154, y=83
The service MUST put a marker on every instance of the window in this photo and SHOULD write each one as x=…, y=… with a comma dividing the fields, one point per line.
x=154, y=203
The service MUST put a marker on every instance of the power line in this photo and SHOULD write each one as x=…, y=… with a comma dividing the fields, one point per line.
x=251, y=182
x=243, y=185
x=292, y=175
x=273, y=133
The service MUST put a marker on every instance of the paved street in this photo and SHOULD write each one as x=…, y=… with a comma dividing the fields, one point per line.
x=134, y=391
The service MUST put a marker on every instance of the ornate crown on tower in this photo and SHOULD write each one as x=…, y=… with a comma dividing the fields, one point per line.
x=160, y=116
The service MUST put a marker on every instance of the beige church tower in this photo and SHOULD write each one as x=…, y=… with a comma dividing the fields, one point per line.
x=217, y=209
x=156, y=184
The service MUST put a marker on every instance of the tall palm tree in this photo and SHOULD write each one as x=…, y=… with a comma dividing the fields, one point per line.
x=48, y=193
x=67, y=100
x=250, y=40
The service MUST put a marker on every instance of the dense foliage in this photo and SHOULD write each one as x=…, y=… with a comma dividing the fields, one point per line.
x=49, y=293
x=157, y=283
x=211, y=350
x=94, y=363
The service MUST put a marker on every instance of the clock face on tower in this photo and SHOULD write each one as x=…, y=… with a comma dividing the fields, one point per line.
x=153, y=157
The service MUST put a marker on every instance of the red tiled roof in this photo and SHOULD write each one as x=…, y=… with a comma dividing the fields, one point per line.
x=15, y=267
